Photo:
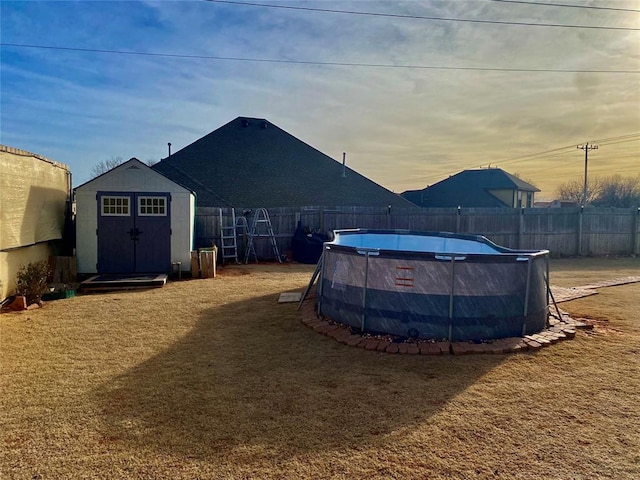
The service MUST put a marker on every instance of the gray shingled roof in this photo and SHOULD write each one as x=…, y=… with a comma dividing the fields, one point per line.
x=250, y=162
x=469, y=188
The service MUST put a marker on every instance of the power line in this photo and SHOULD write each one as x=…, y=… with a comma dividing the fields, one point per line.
x=417, y=17
x=312, y=62
x=546, y=155
x=561, y=156
x=618, y=157
x=620, y=141
x=533, y=156
x=434, y=178
x=630, y=137
x=542, y=4
x=536, y=154
x=550, y=154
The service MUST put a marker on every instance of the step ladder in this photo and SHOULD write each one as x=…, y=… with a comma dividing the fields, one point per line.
x=261, y=228
x=230, y=229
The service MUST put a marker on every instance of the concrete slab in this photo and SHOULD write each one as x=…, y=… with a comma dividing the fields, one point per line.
x=123, y=282
x=289, y=297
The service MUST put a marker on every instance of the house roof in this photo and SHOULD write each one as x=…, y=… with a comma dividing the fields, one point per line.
x=250, y=162
x=469, y=188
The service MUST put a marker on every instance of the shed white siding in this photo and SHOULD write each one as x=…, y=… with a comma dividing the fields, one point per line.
x=135, y=177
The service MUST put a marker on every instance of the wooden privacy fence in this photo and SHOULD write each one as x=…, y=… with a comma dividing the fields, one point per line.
x=563, y=231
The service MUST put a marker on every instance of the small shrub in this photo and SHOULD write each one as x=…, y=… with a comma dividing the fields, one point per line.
x=32, y=280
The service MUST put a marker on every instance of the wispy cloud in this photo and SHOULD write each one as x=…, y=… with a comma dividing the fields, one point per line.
x=404, y=128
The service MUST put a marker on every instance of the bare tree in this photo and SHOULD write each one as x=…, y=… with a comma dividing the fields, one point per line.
x=618, y=191
x=573, y=190
x=613, y=191
x=104, y=166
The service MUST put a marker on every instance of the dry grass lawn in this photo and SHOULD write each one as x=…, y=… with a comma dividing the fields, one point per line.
x=214, y=379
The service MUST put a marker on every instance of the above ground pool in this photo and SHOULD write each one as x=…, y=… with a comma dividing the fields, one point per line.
x=432, y=285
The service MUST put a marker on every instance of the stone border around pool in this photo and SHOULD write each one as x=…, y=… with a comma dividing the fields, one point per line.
x=559, y=329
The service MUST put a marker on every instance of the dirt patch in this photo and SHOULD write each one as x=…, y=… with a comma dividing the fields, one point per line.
x=232, y=272
x=598, y=325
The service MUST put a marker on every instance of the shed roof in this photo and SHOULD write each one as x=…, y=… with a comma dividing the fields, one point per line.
x=250, y=162
x=132, y=163
x=469, y=188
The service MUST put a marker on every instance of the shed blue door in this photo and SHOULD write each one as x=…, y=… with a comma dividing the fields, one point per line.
x=134, y=232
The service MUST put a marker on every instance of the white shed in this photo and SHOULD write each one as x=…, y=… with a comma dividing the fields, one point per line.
x=133, y=219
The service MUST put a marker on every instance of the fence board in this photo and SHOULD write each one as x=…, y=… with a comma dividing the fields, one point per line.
x=617, y=225
x=605, y=231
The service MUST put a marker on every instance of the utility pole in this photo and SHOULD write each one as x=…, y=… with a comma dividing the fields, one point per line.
x=586, y=147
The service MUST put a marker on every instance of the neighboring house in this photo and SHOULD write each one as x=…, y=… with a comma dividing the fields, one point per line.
x=555, y=204
x=252, y=163
x=34, y=197
x=488, y=187
x=133, y=219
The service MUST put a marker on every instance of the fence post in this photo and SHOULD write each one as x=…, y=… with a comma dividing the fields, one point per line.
x=321, y=218
x=458, y=219
x=520, y=228
x=635, y=247
x=580, y=215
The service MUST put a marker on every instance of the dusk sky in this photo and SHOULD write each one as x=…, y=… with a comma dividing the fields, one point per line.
x=411, y=99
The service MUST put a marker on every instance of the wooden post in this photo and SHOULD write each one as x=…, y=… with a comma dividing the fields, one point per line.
x=214, y=262
x=458, y=212
x=208, y=262
x=195, y=265
x=204, y=264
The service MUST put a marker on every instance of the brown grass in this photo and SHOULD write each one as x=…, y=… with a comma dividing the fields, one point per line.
x=214, y=379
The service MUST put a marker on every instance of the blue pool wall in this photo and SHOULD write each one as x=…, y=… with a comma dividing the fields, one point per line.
x=432, y=285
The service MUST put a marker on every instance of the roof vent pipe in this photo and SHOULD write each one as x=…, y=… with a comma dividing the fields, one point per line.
x=344, y=164
x=169, y=145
